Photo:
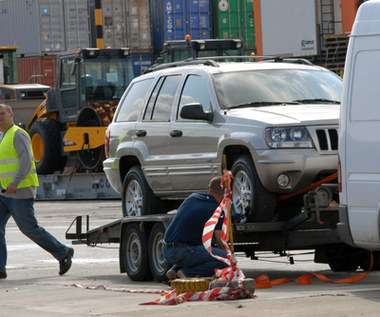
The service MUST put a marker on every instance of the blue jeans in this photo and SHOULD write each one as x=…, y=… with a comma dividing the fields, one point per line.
x=195, y=260
x=22, y=212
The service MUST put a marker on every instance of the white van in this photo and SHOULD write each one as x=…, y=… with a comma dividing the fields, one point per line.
x=359, y=135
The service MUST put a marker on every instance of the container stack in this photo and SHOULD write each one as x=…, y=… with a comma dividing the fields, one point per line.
x=43, y=28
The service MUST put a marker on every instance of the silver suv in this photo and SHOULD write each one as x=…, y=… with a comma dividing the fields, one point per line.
x=276, y=124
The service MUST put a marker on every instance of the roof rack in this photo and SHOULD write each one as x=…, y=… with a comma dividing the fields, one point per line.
x=291, y=60
x=254, y=57
x=267, y=58
x=211, y=61
x=204, y=61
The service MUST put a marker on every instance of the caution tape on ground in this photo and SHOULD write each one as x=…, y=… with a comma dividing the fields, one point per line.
x=115, y=289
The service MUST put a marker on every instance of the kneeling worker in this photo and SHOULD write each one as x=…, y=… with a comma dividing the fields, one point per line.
x=183, y=245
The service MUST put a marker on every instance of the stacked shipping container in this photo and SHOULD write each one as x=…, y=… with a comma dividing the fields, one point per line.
x=234, y=20
x=48, y=27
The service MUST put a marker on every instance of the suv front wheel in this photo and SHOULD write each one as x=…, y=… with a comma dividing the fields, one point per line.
x=137, y=197
x=250, y=199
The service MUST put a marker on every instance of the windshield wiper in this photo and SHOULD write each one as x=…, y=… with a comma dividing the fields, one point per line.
x=263, y=103
x=322, y=100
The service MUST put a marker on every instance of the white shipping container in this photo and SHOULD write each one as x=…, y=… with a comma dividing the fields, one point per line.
x=114, y=26
x=44, y=26
x=288, y=27
x=64, y=25
x=139, y=31
x=126, y=23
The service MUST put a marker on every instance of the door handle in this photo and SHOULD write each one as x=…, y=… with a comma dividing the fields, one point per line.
x=175, y=133
x=140, y=133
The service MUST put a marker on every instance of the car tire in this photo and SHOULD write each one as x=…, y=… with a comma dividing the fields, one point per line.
x=45, y=135
x=157, y=262
x=134, y=254
x=137, y=197
x=249, y=197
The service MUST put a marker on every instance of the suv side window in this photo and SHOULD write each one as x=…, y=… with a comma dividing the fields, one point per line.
x=194, y=91
x=161, y=100
x=133, y=101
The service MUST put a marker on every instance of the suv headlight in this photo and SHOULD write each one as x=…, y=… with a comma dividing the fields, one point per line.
x=297, y=137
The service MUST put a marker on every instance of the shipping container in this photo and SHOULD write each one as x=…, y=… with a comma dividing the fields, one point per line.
x=114, y=23
x=233, y=19
x=286, y=27
x=126, y=23
x=37, y=69
x=182, y=17
x=64, y=25
x=139, y=34
x=141, y=62
x=157, y=16
x=41, y=26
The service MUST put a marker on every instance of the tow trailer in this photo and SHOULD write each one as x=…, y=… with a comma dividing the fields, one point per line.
x=141, y=238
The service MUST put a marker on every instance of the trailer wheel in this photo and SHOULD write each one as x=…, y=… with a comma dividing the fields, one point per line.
x=342, y=258
x=45, y=137
x=157, y=262
x=137, y=197
x=134, y=254
x=250, y=198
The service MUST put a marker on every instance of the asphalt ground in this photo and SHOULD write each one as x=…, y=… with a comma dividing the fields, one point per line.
x=34, y=288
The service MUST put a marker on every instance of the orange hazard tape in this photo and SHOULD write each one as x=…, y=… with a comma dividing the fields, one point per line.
x=263, y=281
x=322, y=181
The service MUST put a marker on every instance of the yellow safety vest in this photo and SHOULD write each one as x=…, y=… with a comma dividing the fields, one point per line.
x=9, y=161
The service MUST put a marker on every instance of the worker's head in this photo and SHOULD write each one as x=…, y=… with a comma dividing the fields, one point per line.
x=6, y=117
x=216, y=189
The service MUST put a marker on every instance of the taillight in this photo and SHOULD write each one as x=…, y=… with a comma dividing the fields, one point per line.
x=107, y=143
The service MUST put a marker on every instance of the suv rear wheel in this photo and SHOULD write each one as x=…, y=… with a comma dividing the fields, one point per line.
x=249, y=197
x=137, y=197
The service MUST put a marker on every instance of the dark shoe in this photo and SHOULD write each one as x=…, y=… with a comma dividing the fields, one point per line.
x=65, y=263
x=3, y=273
x=171, y=275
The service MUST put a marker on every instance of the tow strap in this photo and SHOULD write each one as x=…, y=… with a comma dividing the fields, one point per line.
x=263, y=281
x=310, y=187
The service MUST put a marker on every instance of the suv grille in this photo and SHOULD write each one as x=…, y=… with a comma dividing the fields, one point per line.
x=327, y=139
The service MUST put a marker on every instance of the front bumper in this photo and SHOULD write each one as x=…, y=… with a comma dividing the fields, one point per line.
x=302, y=166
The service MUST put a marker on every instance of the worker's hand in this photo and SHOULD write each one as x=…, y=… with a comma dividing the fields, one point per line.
x=11, y=188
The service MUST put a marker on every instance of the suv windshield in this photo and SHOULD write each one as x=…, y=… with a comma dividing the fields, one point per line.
x=257, y=88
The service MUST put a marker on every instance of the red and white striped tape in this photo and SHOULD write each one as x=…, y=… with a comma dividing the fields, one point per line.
x=123, y=290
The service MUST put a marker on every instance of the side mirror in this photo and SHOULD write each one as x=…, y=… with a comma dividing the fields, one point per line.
x=195, y=111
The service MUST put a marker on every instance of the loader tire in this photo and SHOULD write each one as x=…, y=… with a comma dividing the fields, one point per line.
x=45, y=135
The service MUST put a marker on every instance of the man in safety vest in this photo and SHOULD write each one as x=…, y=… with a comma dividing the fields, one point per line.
x=18, y=187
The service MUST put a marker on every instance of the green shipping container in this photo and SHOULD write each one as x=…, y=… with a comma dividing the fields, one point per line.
x=233, y=19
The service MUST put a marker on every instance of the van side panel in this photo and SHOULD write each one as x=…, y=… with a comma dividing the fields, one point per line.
x=361, y=164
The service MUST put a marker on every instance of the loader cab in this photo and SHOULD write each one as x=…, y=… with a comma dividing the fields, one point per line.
x=175, y=51
x=89, y=75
